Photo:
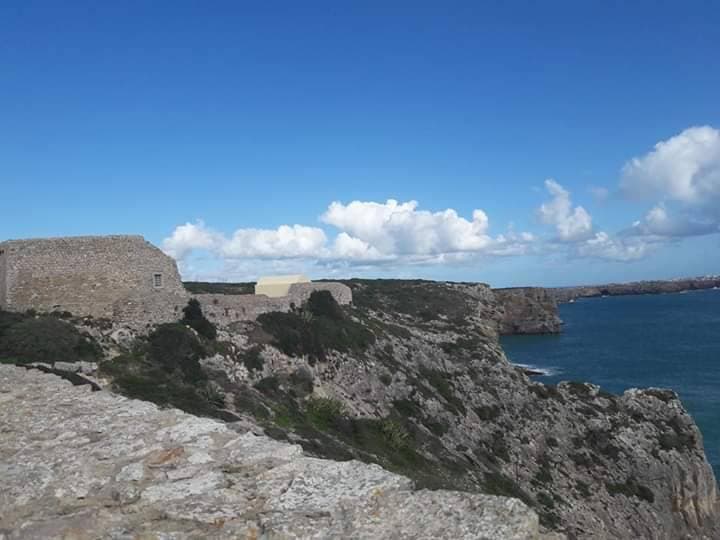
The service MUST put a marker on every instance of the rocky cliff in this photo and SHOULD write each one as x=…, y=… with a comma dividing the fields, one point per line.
x=412, y=377
x=527, y=310
x=566, y=294
x=88, y=465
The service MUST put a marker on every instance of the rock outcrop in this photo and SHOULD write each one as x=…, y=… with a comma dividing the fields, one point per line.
x=412, y=377
x=87, y=465
x=527, y=310
x=433, y=397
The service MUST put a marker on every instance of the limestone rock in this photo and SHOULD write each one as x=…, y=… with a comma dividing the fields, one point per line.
x=527, y=310
x=80, y=464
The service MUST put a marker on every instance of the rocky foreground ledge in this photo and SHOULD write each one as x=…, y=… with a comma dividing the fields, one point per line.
x=80, y=464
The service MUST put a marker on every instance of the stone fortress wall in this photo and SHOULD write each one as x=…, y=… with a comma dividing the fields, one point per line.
x=87, y=275
x=226, y=308
x=122, y=278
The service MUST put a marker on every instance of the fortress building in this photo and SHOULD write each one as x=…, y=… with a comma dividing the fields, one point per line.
x=127, y=279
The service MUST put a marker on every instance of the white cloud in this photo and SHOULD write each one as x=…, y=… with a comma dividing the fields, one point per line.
x=189, y=237
x=394, y=228
x=577, y=238
x=604, y=246
x=571, y=224
x=368, y=233
x=682, y=172
x=284, y=242
x=658, y=222
x=684, y=168
x=349, y=247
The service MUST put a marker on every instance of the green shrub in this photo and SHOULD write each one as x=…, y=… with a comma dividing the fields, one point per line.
x=323, y=304
x=496, y=483
x=317, y=328
x=487, y=412
x=395, y=434
x=583, y=488
x=545, y=500
x=439, y=380
x=631, y=488
x=499, y=447
x=301, y=383
x=9, y=318
x=428, y=301
x=407, y=408
x=436, y=426
x=291, y=334
x=140, y=376
x=546, y=391
x=46, y=339
x=173, y=346
x=268, y=385
x=579, y=389
x=323, y=412
x=194, y=318
x=252, y=359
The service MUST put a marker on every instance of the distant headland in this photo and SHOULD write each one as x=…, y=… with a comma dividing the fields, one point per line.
x=569, y=294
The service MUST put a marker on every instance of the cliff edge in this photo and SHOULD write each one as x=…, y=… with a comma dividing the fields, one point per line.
x=527, y=310
x=88, y=465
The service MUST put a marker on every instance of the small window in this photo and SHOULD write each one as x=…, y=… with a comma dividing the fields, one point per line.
x=157, y=280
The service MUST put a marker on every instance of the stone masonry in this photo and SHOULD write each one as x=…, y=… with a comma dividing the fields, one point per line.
x=87, y=275
x=122, y=278
x=227, y=308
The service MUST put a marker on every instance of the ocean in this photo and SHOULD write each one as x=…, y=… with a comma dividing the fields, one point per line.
x=620, y=342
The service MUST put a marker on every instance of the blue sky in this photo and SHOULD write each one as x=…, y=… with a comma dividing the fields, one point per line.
x=207, y=127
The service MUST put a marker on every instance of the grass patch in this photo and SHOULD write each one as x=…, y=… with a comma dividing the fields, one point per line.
x=324, y=412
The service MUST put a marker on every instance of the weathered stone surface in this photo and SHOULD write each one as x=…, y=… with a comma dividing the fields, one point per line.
x=86, y=465
x=527, y=310
x=102, y=276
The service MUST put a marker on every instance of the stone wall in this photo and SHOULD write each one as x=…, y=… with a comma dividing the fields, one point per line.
x=114, y=277
x=224, y=309
x=101, y=276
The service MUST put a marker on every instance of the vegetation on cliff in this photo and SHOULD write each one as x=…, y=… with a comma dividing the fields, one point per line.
x=411, y=376
x=316, y=328
x=165, y=367
x=26, y=338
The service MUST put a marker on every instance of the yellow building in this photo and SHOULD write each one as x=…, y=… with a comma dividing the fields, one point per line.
x=277, y=286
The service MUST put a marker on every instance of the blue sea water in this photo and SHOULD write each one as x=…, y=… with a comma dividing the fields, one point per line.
x=621, y=342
